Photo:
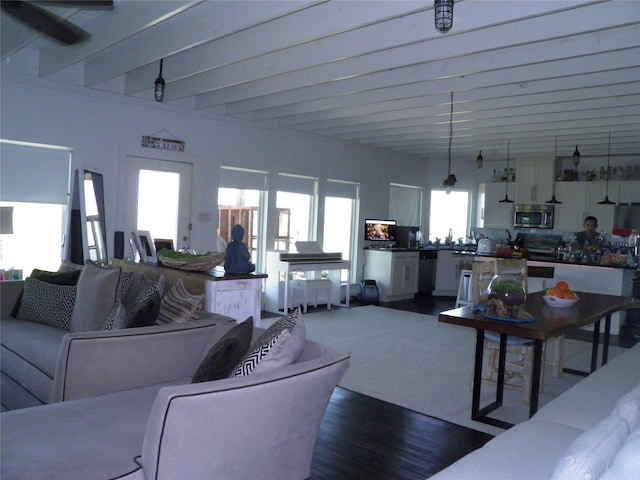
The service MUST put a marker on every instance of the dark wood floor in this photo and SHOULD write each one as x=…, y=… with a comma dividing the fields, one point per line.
x=364, y=438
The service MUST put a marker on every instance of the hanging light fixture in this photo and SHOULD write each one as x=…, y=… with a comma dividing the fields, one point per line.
x=506, y=190
x=576, y=162
x=555, y=159
x=159, y=85
x=606, y=200
x=443, y=15
x=479, y=159
x=451, y=180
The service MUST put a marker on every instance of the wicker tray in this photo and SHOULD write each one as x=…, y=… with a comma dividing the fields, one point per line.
x=197, y=263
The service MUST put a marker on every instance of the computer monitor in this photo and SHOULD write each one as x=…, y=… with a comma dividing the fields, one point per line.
x=376, y=230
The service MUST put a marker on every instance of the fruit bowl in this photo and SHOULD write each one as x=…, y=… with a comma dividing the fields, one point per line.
x=560, y=302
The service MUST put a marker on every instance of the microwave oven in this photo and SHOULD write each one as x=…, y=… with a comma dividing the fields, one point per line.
x=533, y=216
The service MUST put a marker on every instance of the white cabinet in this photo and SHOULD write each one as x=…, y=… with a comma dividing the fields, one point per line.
x=579, y=200
x=448, y=269
x=396, y=273
x=492, y=213
x=534, y=181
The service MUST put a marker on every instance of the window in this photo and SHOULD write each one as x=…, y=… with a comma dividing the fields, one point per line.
x=449, y=215
x=296, y=207
x=340, y=221
x=35, y=181
x=158, y=200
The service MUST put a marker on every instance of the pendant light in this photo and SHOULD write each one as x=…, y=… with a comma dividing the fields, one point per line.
x=555, y=159
x=451, y=180
x=576, y=162
x=159, y=85
x=506, y=190
x=443, y=15
x=479, y=159
x=606, y=200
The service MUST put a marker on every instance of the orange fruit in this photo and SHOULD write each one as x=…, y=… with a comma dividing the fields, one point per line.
x=571, y=295
x=554, y=292
x=564, y=286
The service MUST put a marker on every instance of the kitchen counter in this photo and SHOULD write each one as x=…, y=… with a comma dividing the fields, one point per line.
x=542, y=258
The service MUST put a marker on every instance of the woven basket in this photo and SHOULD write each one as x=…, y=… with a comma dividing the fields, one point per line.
x=197, y=263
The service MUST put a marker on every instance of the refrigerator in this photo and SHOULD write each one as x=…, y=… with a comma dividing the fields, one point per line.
x=627, y=216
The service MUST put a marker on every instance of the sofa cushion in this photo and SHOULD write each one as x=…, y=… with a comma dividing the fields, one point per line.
x=178, y=305
x=628, y=407
x=98, y=289
x=591, y=453
x=279, y=345
x=626, y=463
x=47, y=303
x=226, y=353
x=29, y=356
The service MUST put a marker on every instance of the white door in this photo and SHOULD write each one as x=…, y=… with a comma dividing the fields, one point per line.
x=154, y=194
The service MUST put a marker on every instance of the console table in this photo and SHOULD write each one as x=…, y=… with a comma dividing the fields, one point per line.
x=237, y=296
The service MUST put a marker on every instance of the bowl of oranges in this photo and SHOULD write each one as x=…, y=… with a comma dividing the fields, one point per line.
x=560, y=296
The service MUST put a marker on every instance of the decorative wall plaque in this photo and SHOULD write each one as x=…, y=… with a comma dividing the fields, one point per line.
x=163, y=143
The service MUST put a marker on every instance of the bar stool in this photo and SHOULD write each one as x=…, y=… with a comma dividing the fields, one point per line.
x=312, y=286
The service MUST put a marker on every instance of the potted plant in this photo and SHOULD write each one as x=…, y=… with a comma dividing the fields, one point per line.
x=590, y=175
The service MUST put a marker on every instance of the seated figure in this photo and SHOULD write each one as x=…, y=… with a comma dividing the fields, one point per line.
x=237, y=256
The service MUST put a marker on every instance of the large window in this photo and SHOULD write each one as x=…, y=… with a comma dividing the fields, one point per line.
x=449, y=215
x=34, y=194
x=296, y=209
x=341, y=205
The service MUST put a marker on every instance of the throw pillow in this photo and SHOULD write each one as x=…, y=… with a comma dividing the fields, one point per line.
x=139, y=298
x=97, y=292
x=626, y=463
x=57, y=278
x=226, y=353
x=67, y=266
x=279, y=345
x=628, y=407
x=47, y=303
x=146, y=315
x=117, y=317
x=178, y=305
x=591, y=453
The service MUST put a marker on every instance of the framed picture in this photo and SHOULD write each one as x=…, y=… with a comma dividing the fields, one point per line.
x=163, y=244
x=145, y=246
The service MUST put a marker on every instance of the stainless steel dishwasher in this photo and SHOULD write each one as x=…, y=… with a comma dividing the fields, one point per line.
x=427, y=271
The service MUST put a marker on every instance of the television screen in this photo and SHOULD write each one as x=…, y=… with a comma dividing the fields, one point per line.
x=380, y=230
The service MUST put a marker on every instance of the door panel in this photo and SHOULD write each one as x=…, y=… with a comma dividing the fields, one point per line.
x=128, y=197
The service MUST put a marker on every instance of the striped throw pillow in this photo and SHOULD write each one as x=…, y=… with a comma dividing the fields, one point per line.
x=178, y=305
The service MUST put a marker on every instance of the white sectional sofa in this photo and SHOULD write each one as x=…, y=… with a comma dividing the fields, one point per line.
x=592, y=431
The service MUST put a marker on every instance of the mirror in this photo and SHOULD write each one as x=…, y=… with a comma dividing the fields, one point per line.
x=87, y=225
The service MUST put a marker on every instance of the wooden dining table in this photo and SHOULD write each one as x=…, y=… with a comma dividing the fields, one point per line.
x=547, y=322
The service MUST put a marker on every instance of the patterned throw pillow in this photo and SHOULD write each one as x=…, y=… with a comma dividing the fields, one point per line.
x=57, y=278
x=47, y=303
x=178, y=305
x=279, y=345
x=226, y=353
x=138, y=305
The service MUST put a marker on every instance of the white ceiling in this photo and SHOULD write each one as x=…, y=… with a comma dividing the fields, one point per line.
x=371, y=71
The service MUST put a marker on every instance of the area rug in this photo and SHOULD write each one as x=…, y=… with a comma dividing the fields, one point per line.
x=416, y=362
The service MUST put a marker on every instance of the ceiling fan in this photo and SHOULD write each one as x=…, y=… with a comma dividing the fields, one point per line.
x=50, y=24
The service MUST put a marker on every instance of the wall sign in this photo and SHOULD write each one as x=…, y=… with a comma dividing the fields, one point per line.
x=163, y=143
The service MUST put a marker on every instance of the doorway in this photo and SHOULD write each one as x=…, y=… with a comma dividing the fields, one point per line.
x=154, y=194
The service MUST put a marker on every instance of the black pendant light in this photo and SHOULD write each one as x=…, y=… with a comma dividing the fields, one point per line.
x=576, y=162
x=479, y=159
x=159, y=85
x=443, y=15
x=606, y=200
x=451, y=180
x=555, y=159
x=506, y=190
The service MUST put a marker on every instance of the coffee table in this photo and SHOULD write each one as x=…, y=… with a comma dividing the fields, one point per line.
x=549, y=322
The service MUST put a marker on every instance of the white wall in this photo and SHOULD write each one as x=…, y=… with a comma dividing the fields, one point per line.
x=98, y=126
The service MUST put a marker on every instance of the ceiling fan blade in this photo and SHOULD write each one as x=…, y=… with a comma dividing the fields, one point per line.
x=46, y=22
x=103, y=4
